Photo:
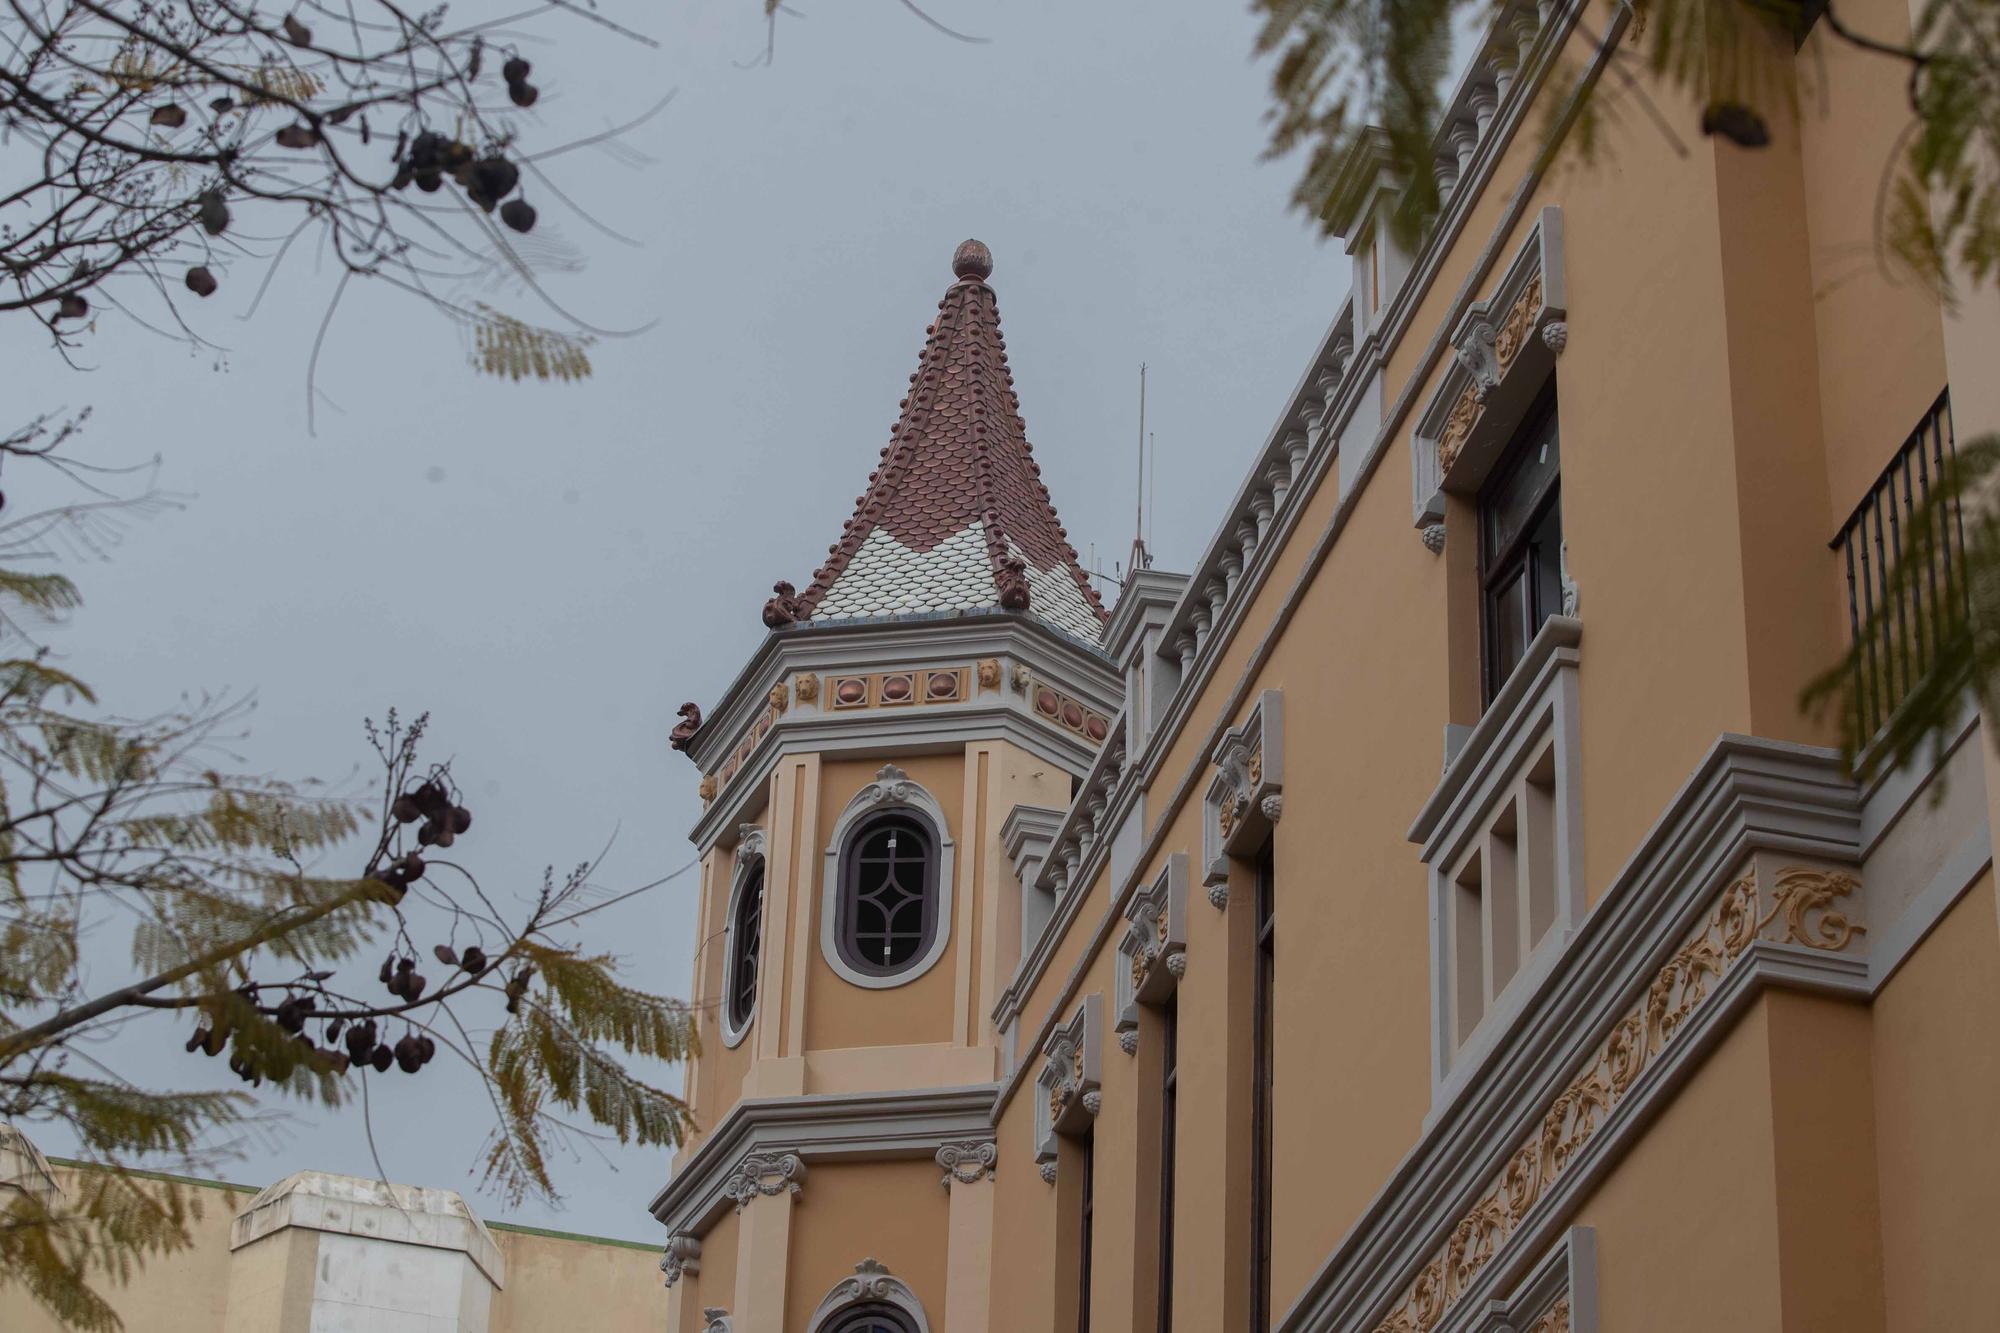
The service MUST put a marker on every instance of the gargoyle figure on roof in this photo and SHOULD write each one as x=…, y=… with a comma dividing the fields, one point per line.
x=782, y=609
x=685, y=729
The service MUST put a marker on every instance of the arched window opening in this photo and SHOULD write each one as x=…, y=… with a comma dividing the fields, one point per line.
x=746, y=929
x=874, y=1319
x=888, y=897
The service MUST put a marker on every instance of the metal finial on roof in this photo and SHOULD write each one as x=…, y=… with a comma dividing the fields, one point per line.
x=972, y=260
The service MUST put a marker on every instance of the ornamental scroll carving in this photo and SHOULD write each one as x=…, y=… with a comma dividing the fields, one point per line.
x=967, y=1163
x=767, y=1174
x=1070, y=1082
x=1806, y=910
x=1153, y=950
x=1249, y=774
x=872, y=1284
x=716, y=1320
x=682, y=1255
x=1505, y=348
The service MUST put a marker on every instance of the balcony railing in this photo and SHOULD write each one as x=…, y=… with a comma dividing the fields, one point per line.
x=1899, y=619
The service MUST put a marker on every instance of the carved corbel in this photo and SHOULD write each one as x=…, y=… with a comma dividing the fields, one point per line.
x=1249, y=773
x=682, y=1255
x=1072, y=1076
x=718, y=1320
x=768, y=1174
x=967, y=1163
x=1153, y=949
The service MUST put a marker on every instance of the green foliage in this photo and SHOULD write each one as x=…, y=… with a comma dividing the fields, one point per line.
x=243, y=926
x=1344, y=66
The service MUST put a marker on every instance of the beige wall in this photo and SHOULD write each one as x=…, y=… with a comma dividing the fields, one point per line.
x=554, y=1280
x=1937, y=1110
x=893, y=1212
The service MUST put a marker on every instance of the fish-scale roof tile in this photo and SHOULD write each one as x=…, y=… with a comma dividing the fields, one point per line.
x=957, y=494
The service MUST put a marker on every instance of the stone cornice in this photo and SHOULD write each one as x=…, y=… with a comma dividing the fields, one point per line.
x=858, y=645
x=820, y=1128
x=1003, y=710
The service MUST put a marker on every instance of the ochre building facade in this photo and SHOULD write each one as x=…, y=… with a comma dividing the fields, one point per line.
x=1433, y=912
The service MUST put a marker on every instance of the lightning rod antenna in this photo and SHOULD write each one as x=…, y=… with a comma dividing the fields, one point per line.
x=1141, y=558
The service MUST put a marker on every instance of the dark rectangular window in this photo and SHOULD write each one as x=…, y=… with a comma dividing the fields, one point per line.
x=1263, y=1049
x=1170, y=1096
x=1089, y=1225
x=1520, y=545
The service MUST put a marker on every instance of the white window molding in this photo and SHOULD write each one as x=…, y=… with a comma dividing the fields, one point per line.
x=872, y=1284
x=1502, y=837
x=893, y=789
x=1246, y=797
x=1152, y=953
x=1506, y=348
x=1070, y=1084
x=750, y=857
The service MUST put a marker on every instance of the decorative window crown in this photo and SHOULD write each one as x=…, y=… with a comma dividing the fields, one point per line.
x=1506, y=348
x=1246, y=796
x=1152, y=954
x=1070, y=1084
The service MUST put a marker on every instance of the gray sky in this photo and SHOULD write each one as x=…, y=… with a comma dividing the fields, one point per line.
x=550, y=570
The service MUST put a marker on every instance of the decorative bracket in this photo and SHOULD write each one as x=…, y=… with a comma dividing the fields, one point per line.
x=683, y=1255
x=967, y=1163
x=1071, y=1081
x=769, y=1174
x=1152, y=954
x=718, y=1320
x=1505, y=349
x=1245, y=799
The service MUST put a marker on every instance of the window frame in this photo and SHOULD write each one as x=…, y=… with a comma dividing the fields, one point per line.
x=751, y=873
x=875, y=1312
x=892, y=791
x=1516, y=562
x=1087, y=1210
x=1263, y=1014
x=1170, y=1091
x=848, y=891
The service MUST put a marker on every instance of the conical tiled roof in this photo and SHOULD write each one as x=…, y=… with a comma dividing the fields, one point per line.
x=956, y=517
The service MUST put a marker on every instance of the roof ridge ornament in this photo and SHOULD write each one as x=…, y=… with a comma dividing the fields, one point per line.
x=972, y=261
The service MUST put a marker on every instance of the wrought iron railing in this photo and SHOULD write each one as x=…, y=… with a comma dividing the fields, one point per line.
x=1898, y=618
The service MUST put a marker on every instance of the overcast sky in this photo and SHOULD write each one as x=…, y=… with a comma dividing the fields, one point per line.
x=551, y=570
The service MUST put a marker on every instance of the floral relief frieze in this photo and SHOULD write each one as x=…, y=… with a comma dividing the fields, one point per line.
x=1807, y=907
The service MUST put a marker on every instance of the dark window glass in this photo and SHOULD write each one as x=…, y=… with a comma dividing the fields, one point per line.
x=746, y=938
x=1520, y=545
x=1264, y=1049
x=874, y=1319
x=1083, y=1257
x=888, y=901
x=1170, y=1097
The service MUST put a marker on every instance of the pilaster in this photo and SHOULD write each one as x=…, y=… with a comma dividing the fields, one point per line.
x=764, y=1186
x=968, y=1175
